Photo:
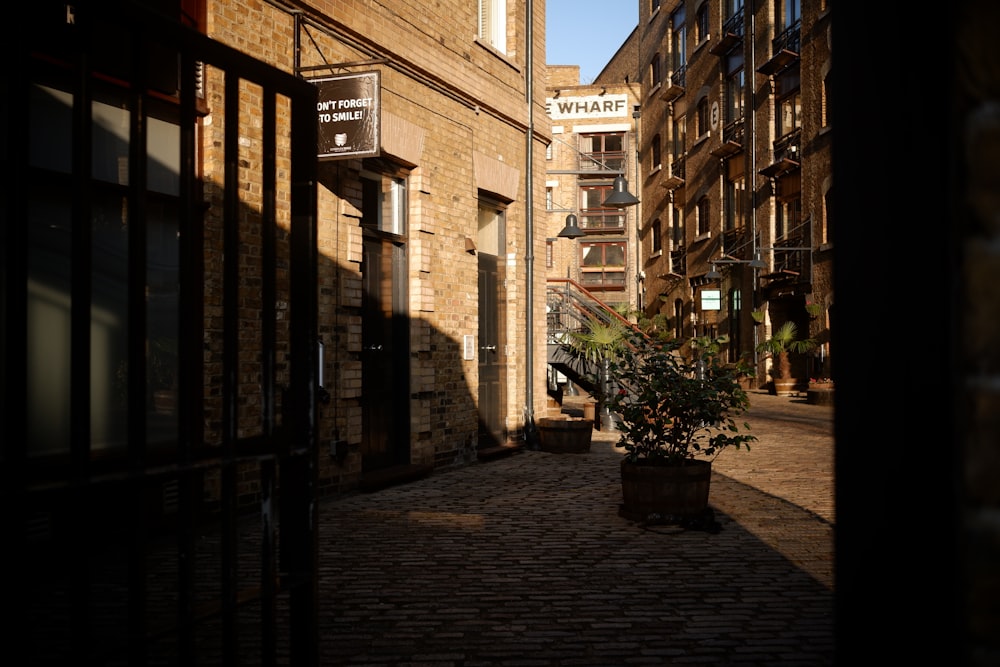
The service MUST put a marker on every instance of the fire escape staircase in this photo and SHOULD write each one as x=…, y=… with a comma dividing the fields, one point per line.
x=569, y=307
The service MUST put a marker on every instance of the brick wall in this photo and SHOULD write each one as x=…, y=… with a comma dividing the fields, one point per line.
x=463, y=99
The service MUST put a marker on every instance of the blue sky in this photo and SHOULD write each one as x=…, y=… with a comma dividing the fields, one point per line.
x=587, y=32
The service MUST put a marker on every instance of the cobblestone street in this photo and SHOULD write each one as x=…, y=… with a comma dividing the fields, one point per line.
x=525, y=561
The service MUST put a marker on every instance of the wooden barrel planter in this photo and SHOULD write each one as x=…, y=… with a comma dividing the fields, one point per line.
x=820, y=393
x=785, y=387
x=669, y=492
x=565, y=435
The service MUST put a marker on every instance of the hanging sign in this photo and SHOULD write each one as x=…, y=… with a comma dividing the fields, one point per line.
x=348, y=112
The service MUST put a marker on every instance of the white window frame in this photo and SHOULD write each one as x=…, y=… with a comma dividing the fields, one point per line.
x=493, y=23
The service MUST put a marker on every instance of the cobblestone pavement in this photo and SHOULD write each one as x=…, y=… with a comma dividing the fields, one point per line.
x=524, y=561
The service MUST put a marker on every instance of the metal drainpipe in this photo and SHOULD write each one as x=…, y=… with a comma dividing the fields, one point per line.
x=751, y=173
x=639, y=280
x=530, y=433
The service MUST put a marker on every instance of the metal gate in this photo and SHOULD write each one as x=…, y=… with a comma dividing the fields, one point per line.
x=174, y=525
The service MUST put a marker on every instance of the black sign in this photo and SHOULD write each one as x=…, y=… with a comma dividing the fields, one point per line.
x=348, y=112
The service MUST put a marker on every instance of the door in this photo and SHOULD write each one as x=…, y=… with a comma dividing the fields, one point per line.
x=385, y=341
x=490, y=392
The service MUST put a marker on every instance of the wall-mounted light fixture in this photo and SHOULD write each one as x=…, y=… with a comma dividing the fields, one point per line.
x=621, y=197
x=572, y=229
x=755, y=263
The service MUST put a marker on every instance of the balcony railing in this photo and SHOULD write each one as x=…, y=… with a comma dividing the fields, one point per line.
x=788, y=147
x=678, y=261
x=603, y=221
x=789, y=40
x=677, y=167
x=613, y=161
x=734, y=132
x=734, y=24
x=679, y=76
x=736, y=243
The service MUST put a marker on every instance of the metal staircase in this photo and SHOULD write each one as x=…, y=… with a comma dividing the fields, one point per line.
x=569, y=306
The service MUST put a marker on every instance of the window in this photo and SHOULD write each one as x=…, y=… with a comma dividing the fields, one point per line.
x=49, y=251
x=680, y=137
x=655, y=74
x=701, y=24
x=492, y=220
x=548, y=253
x=549, y=151
x=788, y=218
x=677, y=229
x=391, y=205
x=602, y=265
x=702, y=118
x=735, y=303
x=549, y=199
x=654, y=6
x=733, y=96
x=594, y=215
x=656, y=159
x=732, y=8
x=828, y=218
x=734, y=202
x=602, y=152
x=704, y=216
x=493, y=23
x=791, y=13
x=788, y=99
x=656, y=243
x=678, y=38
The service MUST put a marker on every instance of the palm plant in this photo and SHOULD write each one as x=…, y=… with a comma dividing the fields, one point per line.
x=783, y=340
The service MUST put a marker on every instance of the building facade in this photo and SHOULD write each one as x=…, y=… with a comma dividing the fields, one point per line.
x=431, y=319
x=593, y=142
x=266, y=252
x=736, y=173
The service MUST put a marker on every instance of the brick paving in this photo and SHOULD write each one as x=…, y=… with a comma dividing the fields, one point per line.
x=524, y=562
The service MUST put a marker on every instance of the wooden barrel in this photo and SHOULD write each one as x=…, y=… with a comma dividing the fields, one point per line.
x=666, y=491
x=564, y=435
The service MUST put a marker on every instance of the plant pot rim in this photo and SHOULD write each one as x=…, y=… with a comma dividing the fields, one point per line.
x=650, y=463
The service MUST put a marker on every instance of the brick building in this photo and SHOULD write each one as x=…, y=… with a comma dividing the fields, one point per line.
x=267, y=251
x=429, y=363
x=593, y=142
x=735, y=155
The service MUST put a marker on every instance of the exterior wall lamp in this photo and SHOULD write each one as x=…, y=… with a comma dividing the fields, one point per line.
x=621, y=197
x=572, y=229
x=755, y=263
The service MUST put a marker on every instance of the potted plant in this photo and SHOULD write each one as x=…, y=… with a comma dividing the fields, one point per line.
x=820, y=391
x=677, y=406
x=784, y=340
x=598, y=344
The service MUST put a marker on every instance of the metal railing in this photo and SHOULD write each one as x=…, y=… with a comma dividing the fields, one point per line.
x=609, y=161
x=789, y=40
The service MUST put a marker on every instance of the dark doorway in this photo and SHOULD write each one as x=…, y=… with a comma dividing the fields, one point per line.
x=385, y=376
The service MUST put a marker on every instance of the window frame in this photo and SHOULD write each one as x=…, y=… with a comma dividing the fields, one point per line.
x=701, y=23
x=492, y=28
x=590, y=215
x=678, y=38
x=704, y=213
x=611, y=276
